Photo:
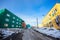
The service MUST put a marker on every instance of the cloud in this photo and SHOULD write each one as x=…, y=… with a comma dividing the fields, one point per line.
x=28, y=10
x=29, y=19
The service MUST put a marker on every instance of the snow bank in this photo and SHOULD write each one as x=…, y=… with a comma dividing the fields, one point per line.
x=7, y=32
x=49, y=31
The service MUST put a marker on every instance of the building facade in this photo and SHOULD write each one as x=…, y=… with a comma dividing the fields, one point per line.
x=9, y=20
x=52, y=19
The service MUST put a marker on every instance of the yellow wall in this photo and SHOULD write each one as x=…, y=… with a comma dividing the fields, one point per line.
x=49, y=17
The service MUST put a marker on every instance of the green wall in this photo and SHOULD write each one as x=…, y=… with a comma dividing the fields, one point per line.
x=6, y=17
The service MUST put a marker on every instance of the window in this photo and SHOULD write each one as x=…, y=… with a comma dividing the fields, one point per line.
x=8, y=15
x=19, y=23
x=13, y=17
x=17, y=19
x=19, y=26
x=49, y=14
x=54, y=12
x=20, y=20
x=6, y=25
x=13, y=21
x=49, y=22
x=16, y=25
x=7, y=20
x=16, y=22
x=12, y=25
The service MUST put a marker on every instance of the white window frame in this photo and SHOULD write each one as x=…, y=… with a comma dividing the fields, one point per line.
x=5, y=24
x=16, y=25
x=16, y=22
x=13, y=17
x=13, y=21
x=6, y=19
x=12, y=25
x=17, y=19
x=8, y=15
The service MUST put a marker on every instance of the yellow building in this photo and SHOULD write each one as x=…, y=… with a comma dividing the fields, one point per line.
x=52, y=19
x=40, y=25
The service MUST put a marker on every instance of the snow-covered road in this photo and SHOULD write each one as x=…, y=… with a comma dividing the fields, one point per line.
x=30, y=34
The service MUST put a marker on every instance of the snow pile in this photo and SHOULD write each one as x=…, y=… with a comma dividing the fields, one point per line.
x=7, y=33
x=49, y=31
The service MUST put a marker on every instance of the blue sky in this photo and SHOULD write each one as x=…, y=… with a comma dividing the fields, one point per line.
x=28, y=10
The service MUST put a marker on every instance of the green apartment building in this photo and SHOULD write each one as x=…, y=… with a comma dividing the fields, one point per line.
x=9, y=20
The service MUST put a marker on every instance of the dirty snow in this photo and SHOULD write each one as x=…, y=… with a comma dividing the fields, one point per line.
x=49, y=31
x=7, y=32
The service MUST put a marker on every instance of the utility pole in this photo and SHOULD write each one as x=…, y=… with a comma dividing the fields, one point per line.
x=37, y=22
